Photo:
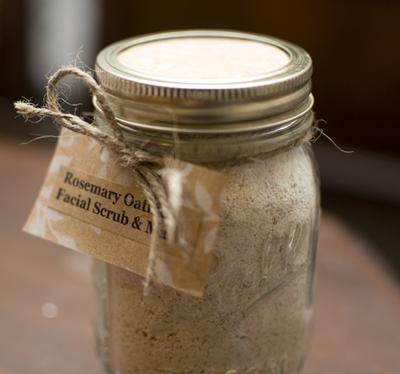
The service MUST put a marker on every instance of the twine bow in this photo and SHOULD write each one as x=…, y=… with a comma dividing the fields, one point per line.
x=145, y=167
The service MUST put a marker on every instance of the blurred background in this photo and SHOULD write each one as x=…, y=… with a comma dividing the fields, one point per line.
x=354, y=45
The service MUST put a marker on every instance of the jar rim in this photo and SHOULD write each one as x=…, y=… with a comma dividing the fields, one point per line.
x=278, y=123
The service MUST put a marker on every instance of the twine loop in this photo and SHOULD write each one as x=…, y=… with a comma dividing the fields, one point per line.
x=146, y=167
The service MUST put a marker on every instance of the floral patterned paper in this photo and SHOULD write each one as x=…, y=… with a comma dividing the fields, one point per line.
x=65, y=213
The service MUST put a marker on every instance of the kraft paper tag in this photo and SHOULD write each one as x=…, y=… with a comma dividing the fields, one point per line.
x=89, y=203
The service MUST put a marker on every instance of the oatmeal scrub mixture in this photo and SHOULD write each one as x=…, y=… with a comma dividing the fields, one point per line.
x=257, y=306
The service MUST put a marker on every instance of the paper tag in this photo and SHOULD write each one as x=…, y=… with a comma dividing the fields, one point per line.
x=91, y=204
x=107, y=205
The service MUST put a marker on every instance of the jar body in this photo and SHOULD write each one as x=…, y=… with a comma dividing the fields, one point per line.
x=256, y=311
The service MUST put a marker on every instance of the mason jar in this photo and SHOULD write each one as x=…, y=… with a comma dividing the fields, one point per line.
x=239, y=103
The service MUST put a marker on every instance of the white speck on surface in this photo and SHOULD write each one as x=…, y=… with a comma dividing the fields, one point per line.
x=96, y=229
x=49, y=310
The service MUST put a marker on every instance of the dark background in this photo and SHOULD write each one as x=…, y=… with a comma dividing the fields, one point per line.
x=354, y=45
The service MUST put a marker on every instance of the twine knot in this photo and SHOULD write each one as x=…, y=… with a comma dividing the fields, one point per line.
x=147, y=168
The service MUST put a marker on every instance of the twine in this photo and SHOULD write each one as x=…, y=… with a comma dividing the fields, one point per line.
x=146, y=168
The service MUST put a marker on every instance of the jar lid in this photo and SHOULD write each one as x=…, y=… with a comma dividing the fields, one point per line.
x=200, y=76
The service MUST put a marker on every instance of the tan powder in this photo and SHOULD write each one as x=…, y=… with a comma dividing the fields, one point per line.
x=255, y=313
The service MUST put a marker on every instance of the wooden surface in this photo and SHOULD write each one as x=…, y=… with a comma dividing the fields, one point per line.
x=357, y=304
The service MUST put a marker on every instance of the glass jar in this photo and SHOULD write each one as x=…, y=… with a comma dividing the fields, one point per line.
x=239, y=103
